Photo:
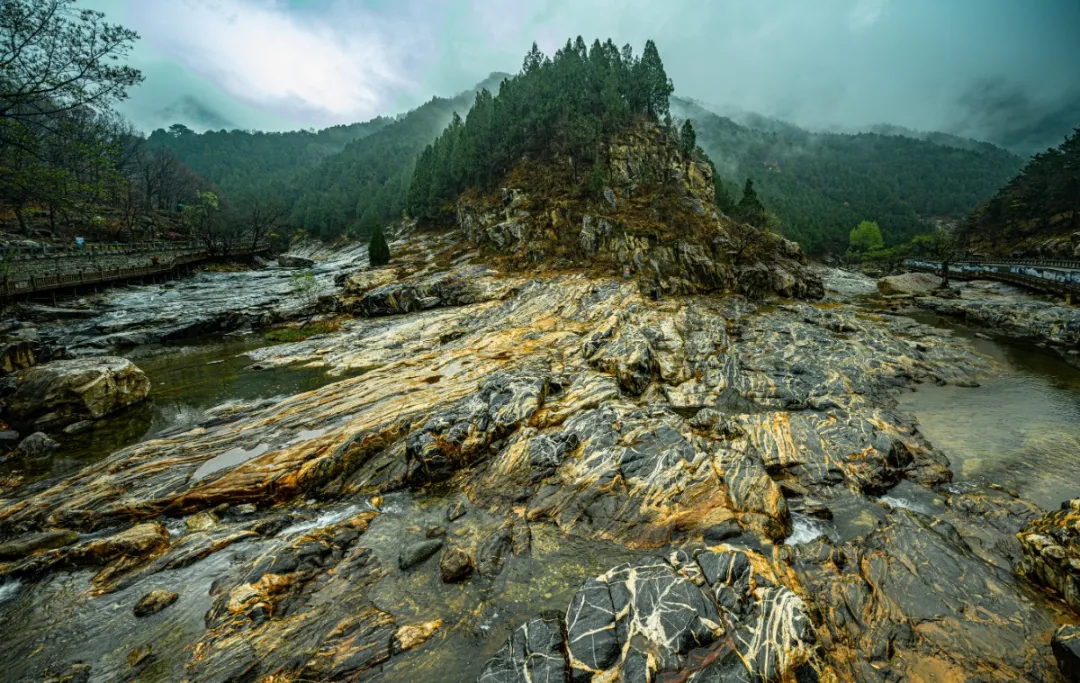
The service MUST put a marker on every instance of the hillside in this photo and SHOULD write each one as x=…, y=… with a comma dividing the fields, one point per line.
x=575, y=163
x=822, y=185
x=1038, y=211
x=239, y=161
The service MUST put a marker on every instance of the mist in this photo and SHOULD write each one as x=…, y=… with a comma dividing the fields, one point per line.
x=994, y=70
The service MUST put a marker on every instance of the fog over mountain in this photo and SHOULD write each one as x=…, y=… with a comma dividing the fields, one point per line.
x=997, y=70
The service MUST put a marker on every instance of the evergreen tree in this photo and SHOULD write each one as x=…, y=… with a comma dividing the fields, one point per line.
x=688, y=139
x=378, y=249
x=750, y=208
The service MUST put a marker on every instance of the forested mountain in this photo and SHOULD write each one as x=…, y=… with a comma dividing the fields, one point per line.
x=1042, y=201
x=366, y=183
x=821, y=185
x=240, y=162
x=567, y=106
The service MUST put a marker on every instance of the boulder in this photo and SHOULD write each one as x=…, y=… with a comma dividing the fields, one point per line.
x=68, y=391
x=1066, y=647
x=154, y=601
x=38, y=445
x=455, y=565
x=908, y=284
x=291, y=261
x=416, y=553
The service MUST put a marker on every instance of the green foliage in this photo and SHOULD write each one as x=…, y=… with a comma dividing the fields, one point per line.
x=687, y=139
x=889, y=259
x=865, y=237
x=305, y=287
x=561, y=108
x=1043, y=199
x=822, y=184
x=378, y=249
x=295, y=334
x=750, y=208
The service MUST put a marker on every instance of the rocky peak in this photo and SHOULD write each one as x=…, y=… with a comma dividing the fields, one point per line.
x=653, y=220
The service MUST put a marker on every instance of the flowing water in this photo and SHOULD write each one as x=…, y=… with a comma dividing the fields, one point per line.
x=1020, y=428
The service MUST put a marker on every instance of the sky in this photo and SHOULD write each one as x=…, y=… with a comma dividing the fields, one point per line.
x=1001, y=70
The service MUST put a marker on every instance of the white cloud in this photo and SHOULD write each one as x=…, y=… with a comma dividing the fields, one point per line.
x=866, y=13
x=338, y=65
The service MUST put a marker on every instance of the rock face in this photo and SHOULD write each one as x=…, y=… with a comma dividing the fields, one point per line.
x=657, y=223
x=908, y=284
x=1066, y=645
x=1052, y=551
x=63, y=392
x=643, y=619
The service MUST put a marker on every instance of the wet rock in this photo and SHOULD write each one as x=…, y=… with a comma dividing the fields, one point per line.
x=154, y=601
x=413, y=636
x=455, y=512
x=415, y=553
x=492, y=552
x=722, y=532
x=139, y=656
x=1066, y=647
x=897, y=599
x=455, y=565
x=8, y=436
x=535, y=652
x=201, y=521
x=292, y=261
x=37, y=445
x=79, y=427
x=67, y=391
x=908, y=284
x=22, y=546
x=1051, y=547
x=646, y=617
x=76, y=673
x=435, y=531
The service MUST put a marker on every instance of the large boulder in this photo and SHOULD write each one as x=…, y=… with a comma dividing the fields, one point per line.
x=1066, y=647
x=66, y=391
x=908, y=284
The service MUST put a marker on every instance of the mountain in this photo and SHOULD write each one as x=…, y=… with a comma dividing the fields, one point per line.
x=238, y=162
x=821, y=185
x=365, y=184
x=1038, y=211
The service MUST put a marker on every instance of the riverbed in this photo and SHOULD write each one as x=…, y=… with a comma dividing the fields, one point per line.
x=1020, y=428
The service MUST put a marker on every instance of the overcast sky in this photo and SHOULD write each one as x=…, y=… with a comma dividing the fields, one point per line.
x=995, y=69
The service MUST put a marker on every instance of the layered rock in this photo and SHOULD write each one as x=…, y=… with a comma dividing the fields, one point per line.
x=1052, y=551
x=67, y=391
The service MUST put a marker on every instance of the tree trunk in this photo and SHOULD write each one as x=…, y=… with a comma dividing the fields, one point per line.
x=944, y=274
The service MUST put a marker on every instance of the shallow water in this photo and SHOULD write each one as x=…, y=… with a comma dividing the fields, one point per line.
x=1019, y=429
x=186, y=379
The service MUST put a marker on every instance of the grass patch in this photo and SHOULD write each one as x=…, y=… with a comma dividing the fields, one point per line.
x=301, y=332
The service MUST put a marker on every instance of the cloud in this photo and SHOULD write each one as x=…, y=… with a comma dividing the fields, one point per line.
x=866, y=13
x=191, y=110
x=336, y=65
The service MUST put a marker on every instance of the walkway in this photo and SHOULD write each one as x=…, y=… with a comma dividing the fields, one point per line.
x=1050, y=275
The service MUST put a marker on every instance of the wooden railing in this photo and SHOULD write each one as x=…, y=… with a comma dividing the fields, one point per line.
x=20, y=286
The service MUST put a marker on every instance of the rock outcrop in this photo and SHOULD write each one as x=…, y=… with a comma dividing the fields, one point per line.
x=655, y=223
x=67, y=391
x=644, y=619
x=1052, y=552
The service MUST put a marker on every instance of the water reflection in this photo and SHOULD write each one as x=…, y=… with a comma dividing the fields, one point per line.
x=1020, y=428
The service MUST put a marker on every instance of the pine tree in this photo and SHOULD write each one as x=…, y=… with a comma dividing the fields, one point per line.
x=750, y=208
x=687, y=139
x=378, y=249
